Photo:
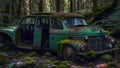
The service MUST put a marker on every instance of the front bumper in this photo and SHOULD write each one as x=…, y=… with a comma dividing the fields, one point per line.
x=99, y=52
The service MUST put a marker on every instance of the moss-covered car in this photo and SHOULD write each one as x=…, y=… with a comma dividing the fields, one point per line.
x=66, y=34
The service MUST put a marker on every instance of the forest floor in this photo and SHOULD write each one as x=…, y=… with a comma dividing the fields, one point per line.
x=20, y=58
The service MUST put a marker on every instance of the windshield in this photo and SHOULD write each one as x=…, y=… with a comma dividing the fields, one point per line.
x=73, y=22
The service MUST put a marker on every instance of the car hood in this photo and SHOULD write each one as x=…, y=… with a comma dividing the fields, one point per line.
x=86, y=30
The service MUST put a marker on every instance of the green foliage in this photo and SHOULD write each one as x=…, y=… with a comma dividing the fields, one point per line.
x=79, y=67
x=3, y=59
x=63, y=66
x=106, y=58
x=48, y=61
x=118, y=60
x=93, y=53
x=45, y=57
x=65, y=62
x=44, y=65
x=47, y=54
x=29, y=61
x=19, y=54
x=90, y=64
x=33, y=54
x=54, y=66
x=113, y=64
x=57, y=62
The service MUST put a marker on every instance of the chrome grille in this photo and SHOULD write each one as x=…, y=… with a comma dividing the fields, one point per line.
x=97, y=43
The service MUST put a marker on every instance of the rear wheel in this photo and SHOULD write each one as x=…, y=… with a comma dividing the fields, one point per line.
x=69, y=53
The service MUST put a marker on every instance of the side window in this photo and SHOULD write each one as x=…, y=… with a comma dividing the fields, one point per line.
x=28, y=20
x=56, y=24
x=43, y=22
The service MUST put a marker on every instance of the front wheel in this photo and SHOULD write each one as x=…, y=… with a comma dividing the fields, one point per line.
x=6, y=42
x=69, y=53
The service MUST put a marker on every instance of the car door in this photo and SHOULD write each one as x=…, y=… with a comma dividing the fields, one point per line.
x=27, y=32
x=42, y=32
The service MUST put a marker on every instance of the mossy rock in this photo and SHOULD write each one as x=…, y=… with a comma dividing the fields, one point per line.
x=106, y=58
x=33, y=54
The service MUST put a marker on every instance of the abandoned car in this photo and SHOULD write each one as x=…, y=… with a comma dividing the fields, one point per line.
x=66, y=34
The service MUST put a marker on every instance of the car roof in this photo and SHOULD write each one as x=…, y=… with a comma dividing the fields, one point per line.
x=57, y=14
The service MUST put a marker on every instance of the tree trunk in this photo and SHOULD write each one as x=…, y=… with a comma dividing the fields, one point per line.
x=57, y=5
x=40, y=6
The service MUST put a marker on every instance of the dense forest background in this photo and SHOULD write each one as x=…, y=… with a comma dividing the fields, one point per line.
x=19, y=8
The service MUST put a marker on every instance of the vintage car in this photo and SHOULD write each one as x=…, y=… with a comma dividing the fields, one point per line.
x=66, y=34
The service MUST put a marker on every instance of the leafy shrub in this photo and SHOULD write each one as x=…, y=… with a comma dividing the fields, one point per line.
x=106, y=58
x=33, y=54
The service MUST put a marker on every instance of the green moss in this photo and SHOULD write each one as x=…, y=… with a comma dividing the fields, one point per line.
x=57, y=62
x=54, y=66
x=65, y=62
x=48, y=54
x=45, y=57
x=44, y=65
x=118, y=60
x=93, y=53
x=63, y=66
x=79, y=67
x=29, y=61
x=33, y=54
x=113, y=64
x=3, y=59
x=90, y=64
x=48, y=61
x=106, y=58
x=19, y=54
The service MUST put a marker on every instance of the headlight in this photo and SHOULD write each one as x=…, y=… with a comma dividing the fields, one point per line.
x=106, y=36
x=82, y=48
x=86, y=37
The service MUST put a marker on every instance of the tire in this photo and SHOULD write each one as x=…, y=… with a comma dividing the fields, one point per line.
x=69, y=53
x=6, y=42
